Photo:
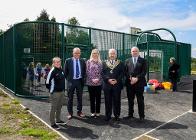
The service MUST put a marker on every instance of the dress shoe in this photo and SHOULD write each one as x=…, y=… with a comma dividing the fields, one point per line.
x=117, y=119
x=81, y=115
x=141, y=118
x=128, y=118
x=60, y=122
x=107, y=119
x=55, y=126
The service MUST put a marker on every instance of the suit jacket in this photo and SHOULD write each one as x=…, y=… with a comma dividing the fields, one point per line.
x=117, y=73
x=139, y=71
x=69, y=69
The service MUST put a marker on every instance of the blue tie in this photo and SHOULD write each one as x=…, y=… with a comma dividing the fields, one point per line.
x=77, y=69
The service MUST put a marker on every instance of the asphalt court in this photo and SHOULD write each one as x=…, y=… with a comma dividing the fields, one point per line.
x=168, y=116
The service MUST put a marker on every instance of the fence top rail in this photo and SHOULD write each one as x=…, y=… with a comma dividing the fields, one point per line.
x=76, y=26
x=136, y=35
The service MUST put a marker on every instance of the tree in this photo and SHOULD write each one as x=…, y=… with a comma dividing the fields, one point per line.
x=193, y=64
x=77, y=37
x=1, y=31
x=73, y=21
x=53, y=19
x=47, y=36
x=26, y=20
x=44, y=16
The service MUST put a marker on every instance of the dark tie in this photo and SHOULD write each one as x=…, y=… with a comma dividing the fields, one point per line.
x=77, y=69
x=112, y=62
x=134, y=61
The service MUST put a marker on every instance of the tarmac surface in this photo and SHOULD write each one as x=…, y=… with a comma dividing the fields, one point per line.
x=168, y=116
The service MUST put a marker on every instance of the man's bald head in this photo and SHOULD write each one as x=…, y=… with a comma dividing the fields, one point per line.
x=112, y=54
x=76, y=53
x=135, y=51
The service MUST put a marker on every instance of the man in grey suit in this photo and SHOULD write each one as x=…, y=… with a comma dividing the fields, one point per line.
x=135, y=71
x=75, y=69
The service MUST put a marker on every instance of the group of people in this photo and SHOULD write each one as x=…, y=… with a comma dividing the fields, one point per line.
x=35, y=72
x=98, y=75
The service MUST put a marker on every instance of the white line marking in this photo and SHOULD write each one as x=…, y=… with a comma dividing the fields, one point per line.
x=37, y=116
x=7, y=93
x=161, y=125
x=191, y=111
x=151, y=137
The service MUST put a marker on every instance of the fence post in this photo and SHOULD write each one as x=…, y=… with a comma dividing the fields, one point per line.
x=194, y=96
x=123, y=45
x=63, y=43
x=14, y=60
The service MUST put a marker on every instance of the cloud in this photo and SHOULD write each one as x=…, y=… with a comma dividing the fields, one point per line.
x=117, y=15
x=112, y=15
x=193, y=52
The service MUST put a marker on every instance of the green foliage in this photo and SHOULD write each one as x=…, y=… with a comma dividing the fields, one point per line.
x=25, y=124
x=6, y=130
x=39, y=37
x=15, y=101
x=6, y=105
x=1, y=31
x=16, y=122
x=53, y=19
x=73, y=21
x=154, y=63
x=44, y=16
x=39, y=133
x=77, y=37
x=193, y=64
x=26, y=20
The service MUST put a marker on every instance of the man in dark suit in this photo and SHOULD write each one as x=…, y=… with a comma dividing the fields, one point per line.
x=135, y=71
x=75, y=69
x=113, y=71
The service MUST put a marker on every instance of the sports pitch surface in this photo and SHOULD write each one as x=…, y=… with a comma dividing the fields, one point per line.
x=168, y=117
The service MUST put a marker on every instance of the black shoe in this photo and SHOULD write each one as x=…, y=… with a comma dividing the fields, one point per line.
x=60, y=122
x=107, y=119
x=117, y=119
x=141, y=118
x=129, y=117
x=55, y=126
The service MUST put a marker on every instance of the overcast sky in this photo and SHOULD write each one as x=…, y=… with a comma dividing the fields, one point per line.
x=177, y=15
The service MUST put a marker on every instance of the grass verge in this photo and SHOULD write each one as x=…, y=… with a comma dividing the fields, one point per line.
x=18, y=123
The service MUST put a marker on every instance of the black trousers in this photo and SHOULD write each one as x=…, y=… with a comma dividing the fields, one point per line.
x=72, y=86
x=133, y=91
x=95, y=98
x=112, y=100
x=174, y=84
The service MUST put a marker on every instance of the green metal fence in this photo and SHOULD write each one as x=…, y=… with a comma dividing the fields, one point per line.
x=38, y=42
